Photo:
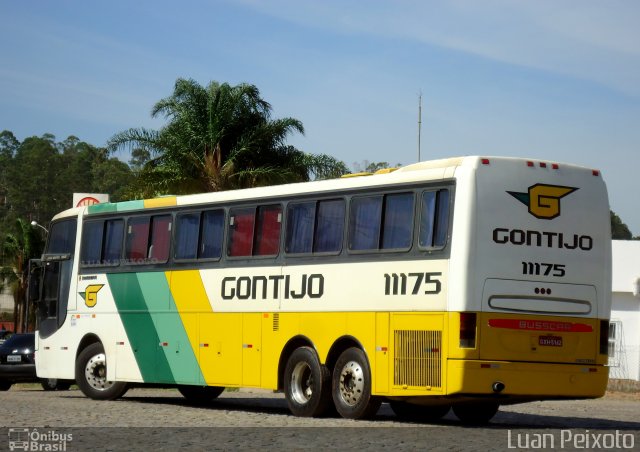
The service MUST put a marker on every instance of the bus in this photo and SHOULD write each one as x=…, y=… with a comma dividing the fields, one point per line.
x=464, y=283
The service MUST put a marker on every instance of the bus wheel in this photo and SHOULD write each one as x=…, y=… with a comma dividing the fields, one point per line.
x=91, y=375
x=351, y=388
x=476, y=413
x=200, y=394
x=307, y=384
x=5, y=385
x=418, y=413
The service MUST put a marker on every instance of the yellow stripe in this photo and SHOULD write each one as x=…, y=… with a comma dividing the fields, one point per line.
x=166, y=201
x=191, y=302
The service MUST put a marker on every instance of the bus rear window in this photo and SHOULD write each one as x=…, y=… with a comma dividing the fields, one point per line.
x=62, y=237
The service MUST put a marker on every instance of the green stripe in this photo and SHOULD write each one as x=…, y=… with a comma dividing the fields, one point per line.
x=168, y=324
x=116, y=207
x=130, y=205
x=101, y=208
x=139, y=327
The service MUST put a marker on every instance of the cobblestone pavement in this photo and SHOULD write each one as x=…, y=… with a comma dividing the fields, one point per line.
x=161, y=419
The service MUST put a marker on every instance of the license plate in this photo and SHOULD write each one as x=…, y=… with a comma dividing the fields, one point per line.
x=550, y=341
x=14, y=358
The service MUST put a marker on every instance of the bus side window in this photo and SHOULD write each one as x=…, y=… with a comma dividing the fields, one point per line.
x=315, y=227
x=434, y=220
x=364, y=223
x=241, y=223
x=211, y=234
x=329, y=226
x=101, y=242
x=267, y=239
x=300, y=225
x=160, y=238
x=398, y=221
x=112, y=246
x=187, y=227
x=137, y=240
x=381, y=222
x=91, y=245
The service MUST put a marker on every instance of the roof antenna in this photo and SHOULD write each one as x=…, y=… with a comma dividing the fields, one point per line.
x=419, y=120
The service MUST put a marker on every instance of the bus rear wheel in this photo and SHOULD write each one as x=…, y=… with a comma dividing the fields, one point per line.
x=476, y=413
x=91, y=375
x=418, y=413
x=307, y=384
x=351, y=388
x=200, y=394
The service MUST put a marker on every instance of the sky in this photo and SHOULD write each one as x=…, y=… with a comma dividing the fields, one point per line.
x=544, y=79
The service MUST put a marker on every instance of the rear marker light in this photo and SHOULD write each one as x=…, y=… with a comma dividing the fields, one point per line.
x=555, y=166
x=467, y=330
x=530, y=164
x=485, y=161
x=595, y=172
x=543, y=165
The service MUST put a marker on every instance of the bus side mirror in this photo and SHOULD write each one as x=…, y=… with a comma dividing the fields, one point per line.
x=35, y=277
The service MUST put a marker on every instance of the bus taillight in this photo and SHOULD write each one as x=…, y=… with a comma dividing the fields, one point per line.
x=467, y=330
x=604, y=337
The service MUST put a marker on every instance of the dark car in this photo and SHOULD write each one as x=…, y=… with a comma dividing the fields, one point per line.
x=18, y=365
x=4, y=335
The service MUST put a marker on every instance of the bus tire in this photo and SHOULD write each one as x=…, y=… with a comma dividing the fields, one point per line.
x=351, y=388
x=200, y=394
x=418, y=413
x=307, y=384
x=5, y=385
x=475, y=413
x=91, y=373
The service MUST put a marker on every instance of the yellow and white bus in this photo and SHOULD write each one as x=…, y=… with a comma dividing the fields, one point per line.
x=467, y=282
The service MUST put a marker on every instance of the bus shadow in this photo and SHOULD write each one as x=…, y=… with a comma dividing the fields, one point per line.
x=248, y=404
x=502, y=421
x=529, y=421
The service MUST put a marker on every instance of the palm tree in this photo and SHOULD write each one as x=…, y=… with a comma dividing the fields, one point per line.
x=19, y=247
x=220, y=137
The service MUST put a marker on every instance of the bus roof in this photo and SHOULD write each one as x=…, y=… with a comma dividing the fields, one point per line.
x=433, y=170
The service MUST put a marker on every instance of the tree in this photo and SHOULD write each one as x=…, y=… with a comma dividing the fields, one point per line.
x=19, y=247
x=372, y=167
x=218, y=137
x=619, y=230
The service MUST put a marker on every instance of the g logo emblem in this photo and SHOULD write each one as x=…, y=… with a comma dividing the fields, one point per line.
x=90, y=294
x=542, y=200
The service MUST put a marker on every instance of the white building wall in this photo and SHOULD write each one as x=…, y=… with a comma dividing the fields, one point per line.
x=625, y=309
x=625, y=314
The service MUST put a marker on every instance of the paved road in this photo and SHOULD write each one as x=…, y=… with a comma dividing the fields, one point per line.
x=161, y=419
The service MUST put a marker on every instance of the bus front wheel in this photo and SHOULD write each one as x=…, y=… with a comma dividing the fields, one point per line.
x=351, y=386
x=91, y=375
x=307, y=384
